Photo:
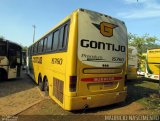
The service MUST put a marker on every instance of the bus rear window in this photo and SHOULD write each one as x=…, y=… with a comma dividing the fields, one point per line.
x=2, y=49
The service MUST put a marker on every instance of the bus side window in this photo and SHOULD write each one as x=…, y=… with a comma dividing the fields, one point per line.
x=12, y=58
x=40, y=46
x=18, y=57
x=45, y=44
x=35, y=48
x=49, y=43
x=55, y=40
x=63, y=37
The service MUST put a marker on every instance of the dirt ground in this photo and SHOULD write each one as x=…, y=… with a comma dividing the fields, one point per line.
x=137, y=90
x=17, y=95
x=47, y=109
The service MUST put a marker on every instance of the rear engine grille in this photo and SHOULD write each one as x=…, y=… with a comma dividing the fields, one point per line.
x=58, y=86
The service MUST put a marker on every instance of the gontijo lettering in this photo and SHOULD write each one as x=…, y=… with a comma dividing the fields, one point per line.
x=102, y=45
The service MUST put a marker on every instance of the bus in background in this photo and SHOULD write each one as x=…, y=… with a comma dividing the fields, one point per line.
x=142, y=67
x=153, y=64
x=132, y=63
x=10, y=59
x=81, y=62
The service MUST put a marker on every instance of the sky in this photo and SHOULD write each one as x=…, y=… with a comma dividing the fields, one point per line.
x=17, y=17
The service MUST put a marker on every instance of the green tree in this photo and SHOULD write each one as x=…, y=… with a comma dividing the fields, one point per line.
x=1, y=37
x=142, y=43
x=24, y=48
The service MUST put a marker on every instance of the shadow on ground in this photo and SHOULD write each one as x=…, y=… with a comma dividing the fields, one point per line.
x=134, y=92
x=16, y=85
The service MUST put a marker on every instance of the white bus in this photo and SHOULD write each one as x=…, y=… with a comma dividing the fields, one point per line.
x=10, y=59
x=132, y=63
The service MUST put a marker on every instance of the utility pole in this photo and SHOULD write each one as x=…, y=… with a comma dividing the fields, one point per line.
x=34, y=27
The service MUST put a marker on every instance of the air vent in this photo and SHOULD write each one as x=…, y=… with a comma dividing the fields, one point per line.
x=58, y=86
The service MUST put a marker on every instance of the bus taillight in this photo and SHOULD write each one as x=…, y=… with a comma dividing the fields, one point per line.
x=73, y=82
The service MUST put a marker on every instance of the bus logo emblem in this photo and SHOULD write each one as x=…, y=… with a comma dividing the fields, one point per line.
x=106, y=29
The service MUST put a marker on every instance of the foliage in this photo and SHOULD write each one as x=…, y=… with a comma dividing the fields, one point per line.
x=1, y=37
x=142, y=43
x=24, y=48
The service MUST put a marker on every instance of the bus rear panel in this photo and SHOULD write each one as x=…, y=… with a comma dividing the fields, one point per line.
x=90, y=70
x=132, y=63
x=101, y=62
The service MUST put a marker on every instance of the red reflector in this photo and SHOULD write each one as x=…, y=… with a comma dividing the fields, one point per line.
x=101, y=79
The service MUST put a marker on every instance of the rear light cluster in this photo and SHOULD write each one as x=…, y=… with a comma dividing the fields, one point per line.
x=73, y=83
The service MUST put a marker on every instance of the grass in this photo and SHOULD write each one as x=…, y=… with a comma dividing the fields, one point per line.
x=145, y=91
x=152, y=103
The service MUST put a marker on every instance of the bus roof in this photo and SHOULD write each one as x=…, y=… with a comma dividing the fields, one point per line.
x=69, y=16
x=154, y=49
x=90, y=11
x=4, y=40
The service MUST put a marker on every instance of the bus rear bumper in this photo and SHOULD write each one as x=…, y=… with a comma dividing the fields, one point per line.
x=91, y=101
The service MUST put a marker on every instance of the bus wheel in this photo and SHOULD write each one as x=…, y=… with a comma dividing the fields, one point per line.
x=46, y=86
x=40, y=84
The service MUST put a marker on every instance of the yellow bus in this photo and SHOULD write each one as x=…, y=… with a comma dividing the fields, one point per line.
x=81, y=62
x=10, y=59
x=132, y=63
x=153, y=64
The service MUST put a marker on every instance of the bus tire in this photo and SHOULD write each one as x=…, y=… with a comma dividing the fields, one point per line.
x=46, y=86
x=40, y=83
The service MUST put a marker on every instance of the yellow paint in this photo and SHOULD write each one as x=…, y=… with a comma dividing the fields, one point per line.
x=153, y=59
x=91, y=94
